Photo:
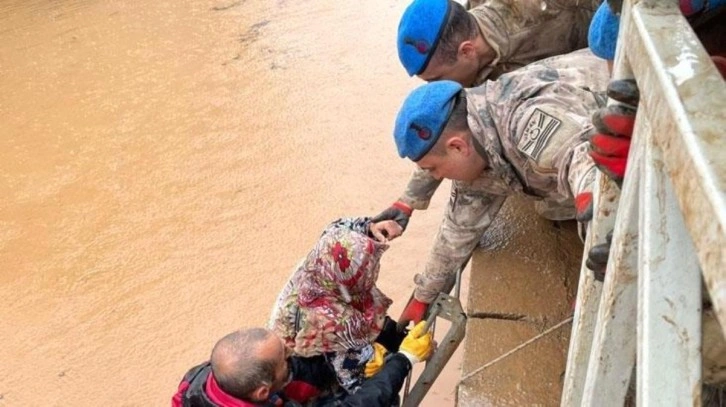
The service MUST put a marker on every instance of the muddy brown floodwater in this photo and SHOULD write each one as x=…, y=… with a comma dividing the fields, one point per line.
x=163, y=167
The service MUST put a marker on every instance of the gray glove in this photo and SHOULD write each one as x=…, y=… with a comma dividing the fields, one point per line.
x=398, y=211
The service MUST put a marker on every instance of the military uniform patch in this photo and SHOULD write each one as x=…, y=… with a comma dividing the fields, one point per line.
x=537, y=133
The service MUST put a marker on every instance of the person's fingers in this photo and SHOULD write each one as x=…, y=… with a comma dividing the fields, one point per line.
x=610, y=145
x=599, y=254
x=417, y=330
x=430, y=338
x=613, y=167
x=584, y=207
x=428, y=354
x=624, y=91
x=617, y=119
x=393, y=230
x=382, y=230
x=378, y=235
x=425, y=343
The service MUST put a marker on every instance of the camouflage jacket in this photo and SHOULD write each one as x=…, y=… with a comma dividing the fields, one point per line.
x=529, y=126
x=520, y=32
x=525, y=31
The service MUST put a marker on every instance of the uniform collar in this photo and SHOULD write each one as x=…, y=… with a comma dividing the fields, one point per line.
x=492, y=31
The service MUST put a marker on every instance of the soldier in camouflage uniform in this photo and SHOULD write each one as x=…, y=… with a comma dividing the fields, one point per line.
x=438, y=39
x=522, y=134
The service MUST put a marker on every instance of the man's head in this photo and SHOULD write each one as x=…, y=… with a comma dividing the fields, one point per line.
x=439, y=39
x=432, y=130
x=250, y=364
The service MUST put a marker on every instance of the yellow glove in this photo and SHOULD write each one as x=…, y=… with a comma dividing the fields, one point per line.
x=417, y=345
x=376, y=364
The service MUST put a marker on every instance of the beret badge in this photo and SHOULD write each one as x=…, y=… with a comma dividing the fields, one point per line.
x=421, y=46
x=422, y=132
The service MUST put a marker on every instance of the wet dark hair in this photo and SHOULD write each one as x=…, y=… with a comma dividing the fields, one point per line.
x=460, y=26
x=236, y=365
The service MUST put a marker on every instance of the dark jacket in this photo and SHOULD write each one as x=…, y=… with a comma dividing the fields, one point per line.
x=381, y=389
x=199, y=389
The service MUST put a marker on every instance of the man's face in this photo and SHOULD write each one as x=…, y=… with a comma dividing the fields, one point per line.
x=274, y=349
x=464, y=71
x=282, y=371
x=454, y=165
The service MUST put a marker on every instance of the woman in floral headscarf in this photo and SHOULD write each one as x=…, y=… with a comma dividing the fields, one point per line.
x=331, y=305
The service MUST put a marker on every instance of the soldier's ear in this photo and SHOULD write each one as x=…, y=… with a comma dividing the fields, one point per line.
x=466, y=50
x=459, y=145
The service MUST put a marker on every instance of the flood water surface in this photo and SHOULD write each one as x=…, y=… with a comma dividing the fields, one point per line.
x=164, y=165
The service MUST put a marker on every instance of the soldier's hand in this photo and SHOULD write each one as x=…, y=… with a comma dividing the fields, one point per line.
x=398, y=211
x=376, y=364
x=418, y=345
x=584, y=207
x=611, y=137
x=598, y=256
x=609, y=148
x=385, y=230
x=414, y=311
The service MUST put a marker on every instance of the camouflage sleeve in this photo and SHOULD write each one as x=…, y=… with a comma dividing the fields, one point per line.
x=469, y=214
x=549, y=130
x=421, y=187
x=591, y=5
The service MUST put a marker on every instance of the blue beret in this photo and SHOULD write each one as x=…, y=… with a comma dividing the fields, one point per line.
x=419, y=31
x=603, y=35
x=423, y=117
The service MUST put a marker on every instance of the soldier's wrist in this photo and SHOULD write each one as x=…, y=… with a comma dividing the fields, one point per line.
x=403, y=207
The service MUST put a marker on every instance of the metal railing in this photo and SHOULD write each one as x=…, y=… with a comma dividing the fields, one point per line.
x=669, y=225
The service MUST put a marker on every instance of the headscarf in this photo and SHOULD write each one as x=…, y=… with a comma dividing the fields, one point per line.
x=331, y=303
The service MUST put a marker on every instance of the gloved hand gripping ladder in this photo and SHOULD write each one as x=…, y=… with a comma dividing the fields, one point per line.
x=449, y=308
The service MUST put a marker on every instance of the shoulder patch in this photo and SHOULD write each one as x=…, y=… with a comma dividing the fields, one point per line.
x=537, y=133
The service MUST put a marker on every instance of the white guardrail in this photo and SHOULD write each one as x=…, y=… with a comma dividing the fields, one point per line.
x=669, y=226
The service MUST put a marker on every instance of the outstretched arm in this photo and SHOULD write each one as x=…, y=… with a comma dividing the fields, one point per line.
x=421, y=187
x=468, y=215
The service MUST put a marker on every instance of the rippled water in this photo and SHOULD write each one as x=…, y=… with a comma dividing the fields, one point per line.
x=163, y=167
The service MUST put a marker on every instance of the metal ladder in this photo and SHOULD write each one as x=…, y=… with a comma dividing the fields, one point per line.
x=447, y=307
